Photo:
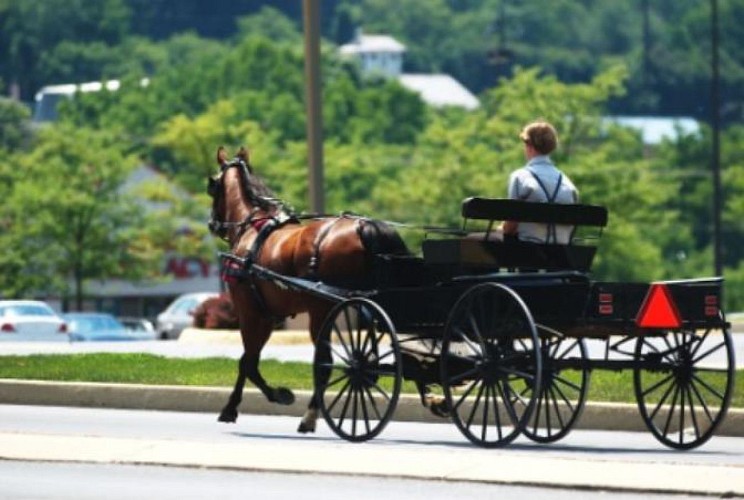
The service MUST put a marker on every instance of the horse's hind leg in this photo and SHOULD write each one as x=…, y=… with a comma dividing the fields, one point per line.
x=310, y=418
x=322, y=356
x=436, y=404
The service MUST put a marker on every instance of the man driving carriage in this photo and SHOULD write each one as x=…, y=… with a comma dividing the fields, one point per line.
x=539, y=180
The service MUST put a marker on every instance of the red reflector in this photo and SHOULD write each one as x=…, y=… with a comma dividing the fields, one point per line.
x=604, y=298
x=658, y=309
x=711, y=300
x=605, y=309
x=711, y=310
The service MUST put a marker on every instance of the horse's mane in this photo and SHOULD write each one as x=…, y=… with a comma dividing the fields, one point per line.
x=255, y=187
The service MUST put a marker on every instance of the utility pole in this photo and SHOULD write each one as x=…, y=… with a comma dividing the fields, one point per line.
x=715, y=106
x=313, y=106
x=646, y=44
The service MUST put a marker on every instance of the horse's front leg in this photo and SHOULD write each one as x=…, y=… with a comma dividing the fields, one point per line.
x=279, y=395
x=255, y=332
x=229, y=413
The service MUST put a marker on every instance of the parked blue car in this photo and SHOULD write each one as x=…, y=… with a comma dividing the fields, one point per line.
x=82, y=326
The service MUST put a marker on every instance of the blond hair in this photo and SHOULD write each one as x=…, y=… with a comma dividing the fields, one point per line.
x=541, y=135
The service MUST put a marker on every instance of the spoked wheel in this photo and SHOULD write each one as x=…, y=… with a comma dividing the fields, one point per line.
x=490, y=353
x=565, y=383
x=683, y=384
x=357, y=369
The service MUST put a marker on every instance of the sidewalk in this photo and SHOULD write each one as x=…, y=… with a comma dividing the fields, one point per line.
x=334, y=457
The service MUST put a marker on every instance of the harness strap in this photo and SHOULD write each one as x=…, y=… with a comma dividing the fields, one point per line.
x=264, y=230
x=552, y=236
x=264, y=227
x=312, y=271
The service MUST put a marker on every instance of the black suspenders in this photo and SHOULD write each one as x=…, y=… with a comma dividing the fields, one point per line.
x=551, y=237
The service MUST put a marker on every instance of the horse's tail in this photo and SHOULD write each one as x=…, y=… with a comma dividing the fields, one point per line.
x=380, y=241
x=380, y=238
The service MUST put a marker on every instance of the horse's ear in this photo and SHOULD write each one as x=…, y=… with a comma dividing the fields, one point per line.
x=243, y=154
x=221, y=156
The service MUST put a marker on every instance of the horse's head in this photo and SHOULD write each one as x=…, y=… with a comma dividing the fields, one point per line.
x=216, y=190
x=251, y=198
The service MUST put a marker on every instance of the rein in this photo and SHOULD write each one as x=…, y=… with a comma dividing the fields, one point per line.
x=284, y=213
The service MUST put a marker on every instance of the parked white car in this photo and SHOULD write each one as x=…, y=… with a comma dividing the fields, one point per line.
x=180, y=314
x=30, y=320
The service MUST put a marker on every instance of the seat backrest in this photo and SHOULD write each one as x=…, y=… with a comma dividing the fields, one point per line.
x=495, y=209
x=466, y=254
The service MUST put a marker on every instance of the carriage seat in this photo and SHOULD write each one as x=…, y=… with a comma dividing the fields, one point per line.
x=469, y=253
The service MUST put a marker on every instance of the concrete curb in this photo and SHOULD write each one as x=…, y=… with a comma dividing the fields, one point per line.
x=596, y=416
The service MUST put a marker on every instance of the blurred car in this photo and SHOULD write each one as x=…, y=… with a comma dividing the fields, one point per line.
x=83, y=326
x=137, y=324
x=180, y=314
x=24, y=320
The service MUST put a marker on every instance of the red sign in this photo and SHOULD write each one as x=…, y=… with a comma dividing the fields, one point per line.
x=658, y=309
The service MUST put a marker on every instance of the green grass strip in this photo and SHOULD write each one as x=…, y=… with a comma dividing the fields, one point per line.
x=608, y=386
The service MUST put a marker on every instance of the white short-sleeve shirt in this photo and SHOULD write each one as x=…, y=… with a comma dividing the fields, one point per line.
x=524, y=186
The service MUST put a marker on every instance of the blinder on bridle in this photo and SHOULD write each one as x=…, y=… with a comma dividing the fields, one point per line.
x=216, y=190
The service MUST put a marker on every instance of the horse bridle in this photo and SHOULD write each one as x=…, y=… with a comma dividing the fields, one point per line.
x=216, y=189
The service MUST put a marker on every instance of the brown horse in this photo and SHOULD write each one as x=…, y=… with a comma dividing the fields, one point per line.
x=337, y=251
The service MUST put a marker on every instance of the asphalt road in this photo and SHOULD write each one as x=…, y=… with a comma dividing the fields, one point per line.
x=592, y=460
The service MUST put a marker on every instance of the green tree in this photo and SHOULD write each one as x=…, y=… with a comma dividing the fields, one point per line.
x=270, y=23
x=31, y=29
x=82, y=228
x=13, y=124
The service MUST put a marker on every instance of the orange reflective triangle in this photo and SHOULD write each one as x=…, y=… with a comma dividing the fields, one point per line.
x=658, y=309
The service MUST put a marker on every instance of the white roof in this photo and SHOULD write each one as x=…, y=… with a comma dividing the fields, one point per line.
x=71, y=88
x=372, y=43
x=654, y=129
x=439, y=90
x=68, y=89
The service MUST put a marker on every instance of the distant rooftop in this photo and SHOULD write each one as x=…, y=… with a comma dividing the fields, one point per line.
x=382, y=55
x=48, y=97
x=654, y=129
x=439, y=90
x=362, y=44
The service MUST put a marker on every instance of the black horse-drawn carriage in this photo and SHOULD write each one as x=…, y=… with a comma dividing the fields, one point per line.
x=502, y=326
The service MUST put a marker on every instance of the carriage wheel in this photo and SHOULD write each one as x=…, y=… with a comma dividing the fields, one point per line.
x=357, y=369
x=683, y=384
x=563, y=391
x=490, y=353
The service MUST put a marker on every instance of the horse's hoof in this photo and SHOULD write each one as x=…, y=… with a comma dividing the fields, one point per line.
x=228, y=416
x=437, y=406
x=283, y=396
x=440, y=409
x=304, y=428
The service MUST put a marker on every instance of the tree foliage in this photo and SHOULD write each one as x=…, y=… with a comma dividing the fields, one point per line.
x=82, y=226
x=386, y=153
